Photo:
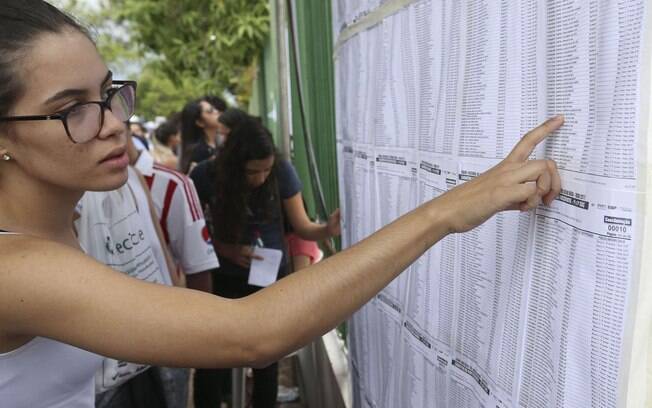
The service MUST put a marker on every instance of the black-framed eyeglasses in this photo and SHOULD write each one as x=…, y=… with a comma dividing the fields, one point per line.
x=83, y=121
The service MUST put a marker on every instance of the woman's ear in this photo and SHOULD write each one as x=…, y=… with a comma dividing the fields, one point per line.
x=200, y=123
x=4, y=154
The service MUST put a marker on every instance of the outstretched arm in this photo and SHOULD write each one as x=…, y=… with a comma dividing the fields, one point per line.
x=47, y=289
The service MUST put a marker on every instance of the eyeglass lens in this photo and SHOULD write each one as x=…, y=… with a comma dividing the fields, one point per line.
x=85, y=121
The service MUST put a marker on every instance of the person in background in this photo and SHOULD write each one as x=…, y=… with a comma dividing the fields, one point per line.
x=139, y=132
x=167, y=138
x=62, y=132
x=199, y=124
x=181, y=218
x=228, y=120
x=302, y=252
x=185, y=234
x=217, y=102
x=132, y=241
x=211, y=385
x=251, y=192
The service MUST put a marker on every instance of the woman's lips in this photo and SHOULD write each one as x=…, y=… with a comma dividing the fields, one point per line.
x=117, y=160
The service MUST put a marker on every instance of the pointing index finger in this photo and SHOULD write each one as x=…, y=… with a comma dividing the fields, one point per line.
x=526, y=145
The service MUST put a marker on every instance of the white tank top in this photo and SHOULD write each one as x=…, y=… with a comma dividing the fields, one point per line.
x=47, y=373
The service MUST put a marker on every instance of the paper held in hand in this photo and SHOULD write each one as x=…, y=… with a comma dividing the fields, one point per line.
x=263, y=272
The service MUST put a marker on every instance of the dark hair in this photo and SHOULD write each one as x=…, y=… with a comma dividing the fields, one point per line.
x=165, y=131
x=234, y=197
x=232, y=117
x=142, y=127
x=21, y=23
x=191, y=134
x=217, y=102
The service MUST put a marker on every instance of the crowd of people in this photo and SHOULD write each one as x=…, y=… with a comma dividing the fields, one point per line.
x=111, y=276
x=220, y=161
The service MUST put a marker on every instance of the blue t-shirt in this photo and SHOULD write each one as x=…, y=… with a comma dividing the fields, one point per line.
x=270, y=231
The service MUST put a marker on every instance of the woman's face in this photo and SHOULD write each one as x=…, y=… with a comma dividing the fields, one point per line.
x=257, y=171
x=209, y=115
x=59, y=71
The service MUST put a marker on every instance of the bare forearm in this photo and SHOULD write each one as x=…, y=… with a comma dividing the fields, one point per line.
x=312, y=301
x=312, y=231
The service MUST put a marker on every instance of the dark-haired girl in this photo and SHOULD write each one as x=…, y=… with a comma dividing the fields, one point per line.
x=251, y=191
x=199, y=127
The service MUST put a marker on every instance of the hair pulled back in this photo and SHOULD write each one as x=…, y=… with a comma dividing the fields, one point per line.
x=21, y=23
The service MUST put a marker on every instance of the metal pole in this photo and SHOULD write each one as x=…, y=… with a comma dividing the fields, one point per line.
x=285, y=109
x=238, y=387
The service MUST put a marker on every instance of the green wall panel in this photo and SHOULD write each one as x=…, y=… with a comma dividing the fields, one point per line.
x=313, y=29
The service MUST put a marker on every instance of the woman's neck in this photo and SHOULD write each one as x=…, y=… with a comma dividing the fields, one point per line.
x=210, y=137
x=37, y=208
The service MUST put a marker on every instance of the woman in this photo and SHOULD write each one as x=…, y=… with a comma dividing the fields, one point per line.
x=251, y=192
x=166, y=140
x=62, y=132
x=199, y=127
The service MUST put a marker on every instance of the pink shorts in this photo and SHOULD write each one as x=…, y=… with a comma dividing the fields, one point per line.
x=298, y=247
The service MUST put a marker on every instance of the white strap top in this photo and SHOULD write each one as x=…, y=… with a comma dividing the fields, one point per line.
x=47, y=373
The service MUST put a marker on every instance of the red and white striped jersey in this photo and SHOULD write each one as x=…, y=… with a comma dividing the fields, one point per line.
x=181, y=216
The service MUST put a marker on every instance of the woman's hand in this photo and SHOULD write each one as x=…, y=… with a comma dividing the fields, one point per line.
x=334, y=224
x=244, y=256
x=516, y=183
x=240, y=255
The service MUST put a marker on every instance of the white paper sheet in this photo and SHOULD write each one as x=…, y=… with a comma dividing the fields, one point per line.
x=263, y=272
x=530, y=309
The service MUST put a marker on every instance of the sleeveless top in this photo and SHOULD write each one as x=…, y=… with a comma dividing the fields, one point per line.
x=46, y=373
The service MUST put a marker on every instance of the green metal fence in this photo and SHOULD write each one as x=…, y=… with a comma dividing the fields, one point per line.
x=313, y=30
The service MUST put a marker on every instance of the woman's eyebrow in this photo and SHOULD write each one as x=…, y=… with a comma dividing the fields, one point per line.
x=66, y=93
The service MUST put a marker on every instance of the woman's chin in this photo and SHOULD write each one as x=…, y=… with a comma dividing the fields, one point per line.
x=109, y=183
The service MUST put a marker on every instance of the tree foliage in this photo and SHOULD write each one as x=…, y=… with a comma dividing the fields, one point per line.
x=208, y=43
x=178, y=50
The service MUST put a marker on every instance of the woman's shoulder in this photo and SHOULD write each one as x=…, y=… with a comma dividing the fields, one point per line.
x=203, y=172
x=33, y=261
x=285, y=169
x=288, y=179
x=14, y=245
x=203, y=176
x=32, y=272
x=30, y=255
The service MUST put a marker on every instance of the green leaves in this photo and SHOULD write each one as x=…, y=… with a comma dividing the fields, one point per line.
x=179, y=49
x=213, y=42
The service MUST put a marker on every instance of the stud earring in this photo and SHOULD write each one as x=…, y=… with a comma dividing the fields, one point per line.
x=6, y=157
